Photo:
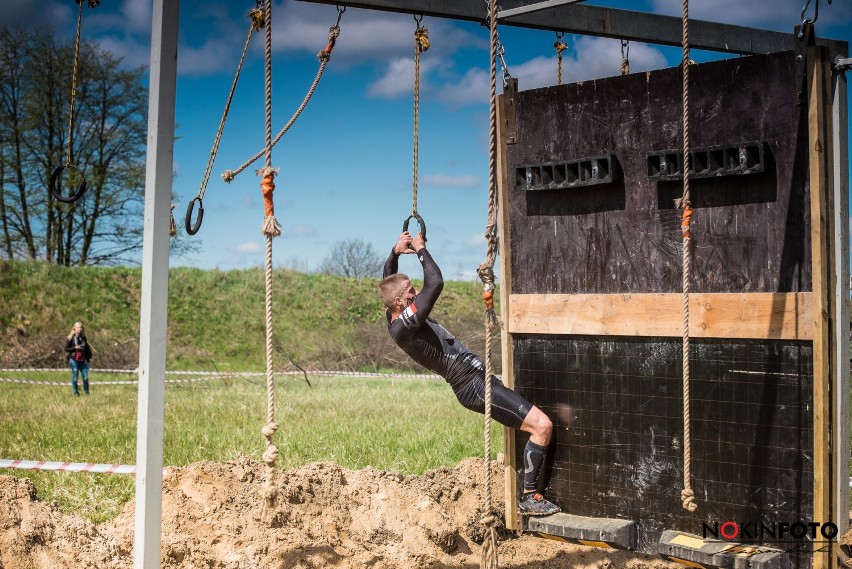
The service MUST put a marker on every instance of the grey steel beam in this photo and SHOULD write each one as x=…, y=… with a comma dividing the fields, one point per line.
x=605, y=22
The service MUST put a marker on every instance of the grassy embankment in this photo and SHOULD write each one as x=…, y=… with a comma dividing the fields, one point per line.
x=215, y=319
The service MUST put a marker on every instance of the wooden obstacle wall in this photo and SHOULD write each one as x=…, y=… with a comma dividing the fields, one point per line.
x=592, y=293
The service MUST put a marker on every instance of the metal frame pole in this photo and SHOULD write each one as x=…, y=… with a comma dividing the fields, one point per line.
x=155, y=283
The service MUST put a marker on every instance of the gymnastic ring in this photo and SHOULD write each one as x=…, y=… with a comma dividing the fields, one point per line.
x=81, y=189
x=192, y=228
x=419, y=220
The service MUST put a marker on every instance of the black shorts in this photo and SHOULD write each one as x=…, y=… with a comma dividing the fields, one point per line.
x=507, y=407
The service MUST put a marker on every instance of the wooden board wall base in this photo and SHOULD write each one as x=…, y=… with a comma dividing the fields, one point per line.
x=596, y=532
x=786, y=316
x=693, y=551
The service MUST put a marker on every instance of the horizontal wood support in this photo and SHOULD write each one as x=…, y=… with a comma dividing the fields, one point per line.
x=711, y=315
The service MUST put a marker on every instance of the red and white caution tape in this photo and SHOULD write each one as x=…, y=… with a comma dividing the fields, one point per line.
x=70, y=466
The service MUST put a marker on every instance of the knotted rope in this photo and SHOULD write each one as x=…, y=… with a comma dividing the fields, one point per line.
x=625, y=60
x=324, y=56
x=559, y=45
x=488, y=559
x=271, y=229
x=687, y=496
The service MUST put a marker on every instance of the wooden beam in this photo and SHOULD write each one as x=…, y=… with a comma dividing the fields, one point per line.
x=505, y=132
x=840, y=145
x=822, y=221
x=712, y=315
x=604, y=22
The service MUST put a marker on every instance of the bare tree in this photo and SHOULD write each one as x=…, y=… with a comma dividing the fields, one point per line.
x=352, y=258
x=108, y=145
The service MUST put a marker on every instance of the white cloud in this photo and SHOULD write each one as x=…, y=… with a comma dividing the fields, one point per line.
x=477, y=240
x=247, y=248
x=300, y=230
x=472, y=88
x=447, y=181
x=210, y=58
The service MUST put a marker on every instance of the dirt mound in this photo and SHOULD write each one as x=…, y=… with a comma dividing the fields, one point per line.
x=326, y=516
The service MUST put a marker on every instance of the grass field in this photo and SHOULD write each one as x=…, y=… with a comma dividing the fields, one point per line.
x=406, y=425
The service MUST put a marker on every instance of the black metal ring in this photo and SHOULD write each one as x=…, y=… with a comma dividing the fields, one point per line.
x=419, y=220
x=192, y=228
x=81, y=189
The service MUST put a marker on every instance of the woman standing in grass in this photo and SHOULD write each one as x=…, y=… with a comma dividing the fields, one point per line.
x=79, y=355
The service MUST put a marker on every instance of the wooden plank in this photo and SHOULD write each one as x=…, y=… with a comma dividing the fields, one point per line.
x=712, y=315
x=821, y=202
x=507, y=346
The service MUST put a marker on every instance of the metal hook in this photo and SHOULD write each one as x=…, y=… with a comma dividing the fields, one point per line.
x=816, y=12
x=625, y=48
x=418, y=19
x=81, y=189
x=340, y=10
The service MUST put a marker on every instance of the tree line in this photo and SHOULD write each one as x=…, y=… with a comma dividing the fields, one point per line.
x=109, y=133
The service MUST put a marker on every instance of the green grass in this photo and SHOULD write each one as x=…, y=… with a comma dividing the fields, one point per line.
x=403, y=425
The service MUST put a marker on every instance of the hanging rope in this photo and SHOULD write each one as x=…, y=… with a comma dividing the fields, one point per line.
x=270, y=229
x=488, y=559
x=324, y=56
x=257, y=23
x=687, y=496
x=625, y=59
x=69, y=157
x=560, y=46
x=421, y=44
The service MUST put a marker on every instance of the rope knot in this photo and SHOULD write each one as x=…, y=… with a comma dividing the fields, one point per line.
x=333, y=33
x=488, y=298
x=228, y=175
x=172, y=224
x=269, y=429
x=560, y=46
x=421, y=39
x=687, y=496
x=270, y=455
x=258, y=18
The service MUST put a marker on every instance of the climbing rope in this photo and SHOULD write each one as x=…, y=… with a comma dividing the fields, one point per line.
x=559, y=45
x=625, y=60
x=687, y=496
x=488, y=559
x=270, y=229
x=69, y=157
x=324, y=56
x=256, y=16
x=421, y=44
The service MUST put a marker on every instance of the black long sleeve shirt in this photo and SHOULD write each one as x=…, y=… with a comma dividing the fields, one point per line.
x=421, y=337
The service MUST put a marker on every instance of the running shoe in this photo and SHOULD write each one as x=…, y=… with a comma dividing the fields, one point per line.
x=534, y=504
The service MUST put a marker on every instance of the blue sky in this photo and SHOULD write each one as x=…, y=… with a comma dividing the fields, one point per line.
x=345, y=167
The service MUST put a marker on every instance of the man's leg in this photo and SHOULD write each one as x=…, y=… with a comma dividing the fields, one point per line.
x=540, y=428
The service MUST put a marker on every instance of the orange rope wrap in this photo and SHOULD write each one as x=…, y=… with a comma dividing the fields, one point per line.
x=488, y=298
x=267, y=187
x=686, y=220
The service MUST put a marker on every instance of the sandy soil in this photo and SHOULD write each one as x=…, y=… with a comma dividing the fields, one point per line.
x=326, y=516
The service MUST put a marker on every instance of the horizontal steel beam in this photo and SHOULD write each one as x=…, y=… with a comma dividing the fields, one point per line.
x=605, y=22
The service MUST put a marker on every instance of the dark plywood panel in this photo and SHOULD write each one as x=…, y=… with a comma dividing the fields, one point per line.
x=750, y=232
x=618, y=452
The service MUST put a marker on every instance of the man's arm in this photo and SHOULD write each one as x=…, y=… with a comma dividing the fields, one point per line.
x=402, y=247
x=433, y=283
